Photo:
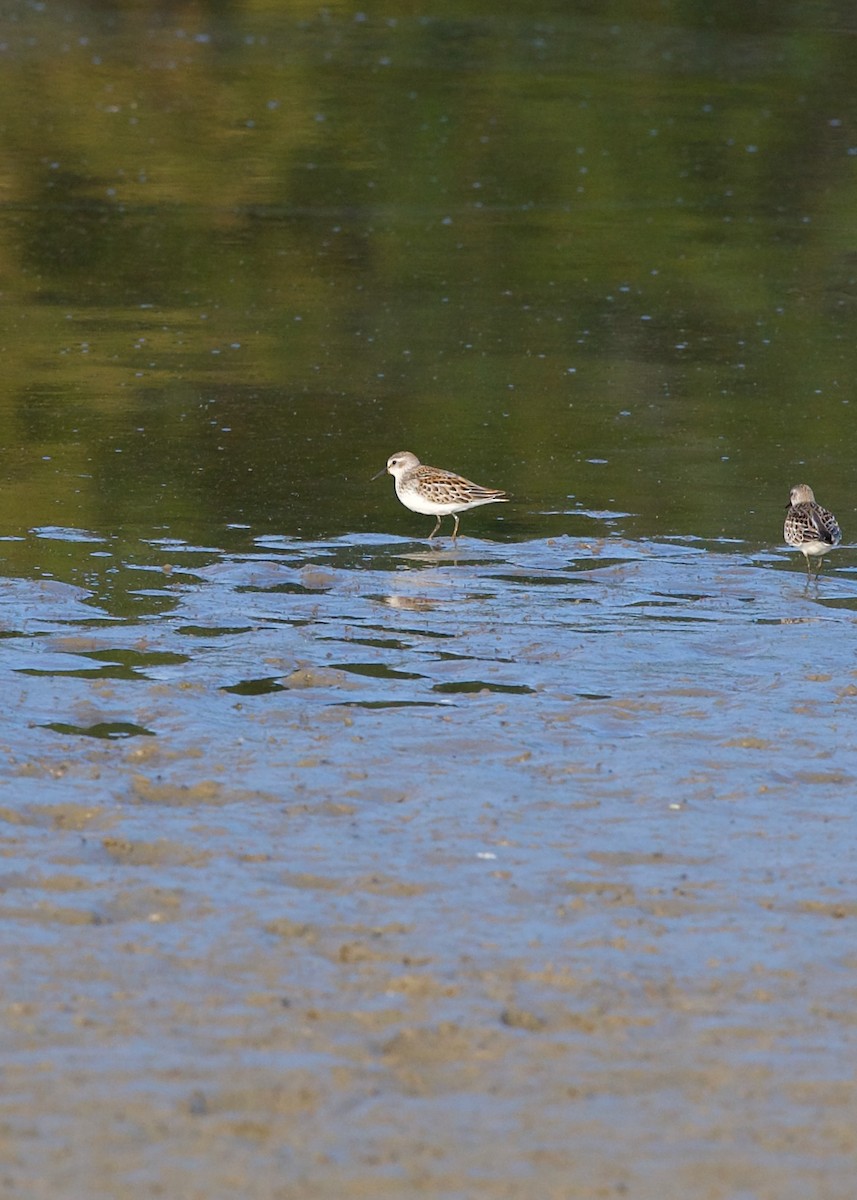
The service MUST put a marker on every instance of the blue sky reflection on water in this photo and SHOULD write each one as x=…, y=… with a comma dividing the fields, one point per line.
x=640, y=815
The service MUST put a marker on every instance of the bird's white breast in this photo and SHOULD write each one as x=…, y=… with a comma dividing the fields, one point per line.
x=413, y=499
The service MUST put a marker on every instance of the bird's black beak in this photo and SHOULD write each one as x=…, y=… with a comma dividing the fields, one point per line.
x=383, y=471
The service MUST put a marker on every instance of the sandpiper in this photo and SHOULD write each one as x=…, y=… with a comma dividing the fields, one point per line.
x=435, y=492
x=810, y=528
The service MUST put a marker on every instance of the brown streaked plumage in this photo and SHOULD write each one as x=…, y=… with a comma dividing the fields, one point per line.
x=435, y=492
x=808, y=527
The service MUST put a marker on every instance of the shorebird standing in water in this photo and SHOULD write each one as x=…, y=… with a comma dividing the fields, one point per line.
x=810, y=528
x=435, y=492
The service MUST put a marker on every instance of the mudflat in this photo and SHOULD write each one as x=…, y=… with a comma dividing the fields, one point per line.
x=529, y=872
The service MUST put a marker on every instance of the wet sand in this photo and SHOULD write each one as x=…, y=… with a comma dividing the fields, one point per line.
x=530, y=874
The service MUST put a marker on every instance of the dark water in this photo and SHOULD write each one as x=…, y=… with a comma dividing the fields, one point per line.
x=342, y=864
x=249, y=253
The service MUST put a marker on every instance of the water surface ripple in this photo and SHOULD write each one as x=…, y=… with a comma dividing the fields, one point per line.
x=434, y=833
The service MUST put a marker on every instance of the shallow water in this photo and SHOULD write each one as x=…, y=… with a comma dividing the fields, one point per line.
x=361, y=856
x=336, y=863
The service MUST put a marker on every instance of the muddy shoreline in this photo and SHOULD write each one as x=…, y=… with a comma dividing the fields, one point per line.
x=358, y=933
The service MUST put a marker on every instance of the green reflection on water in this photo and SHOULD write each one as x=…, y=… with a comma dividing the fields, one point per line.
x=110, y=730
x=603, y=261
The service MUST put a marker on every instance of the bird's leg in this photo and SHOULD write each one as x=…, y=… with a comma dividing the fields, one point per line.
x=455, y=530
x=436, y=527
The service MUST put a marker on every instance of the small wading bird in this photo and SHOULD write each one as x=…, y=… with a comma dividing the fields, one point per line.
x=810, y=528
x=434, y=492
